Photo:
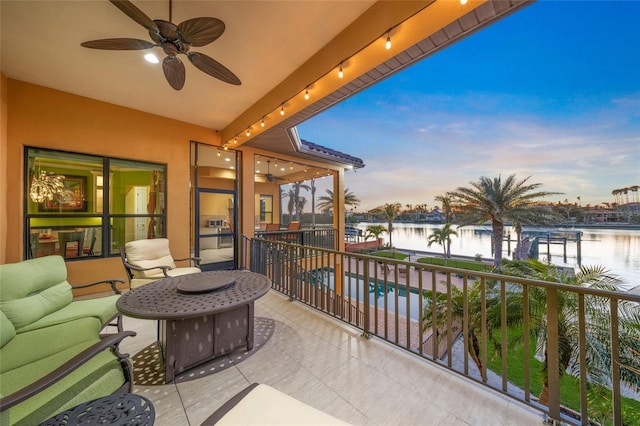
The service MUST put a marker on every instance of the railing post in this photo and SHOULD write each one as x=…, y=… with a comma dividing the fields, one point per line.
x=553, y=357
x=292, y=278
x=366, y=327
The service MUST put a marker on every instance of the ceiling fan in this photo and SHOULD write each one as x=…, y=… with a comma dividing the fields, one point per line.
x=174, y=40
x=269, y=176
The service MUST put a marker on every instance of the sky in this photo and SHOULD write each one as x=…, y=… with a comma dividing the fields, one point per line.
x=551, y=91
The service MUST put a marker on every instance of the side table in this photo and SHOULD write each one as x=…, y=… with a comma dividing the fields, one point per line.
x=116, y=409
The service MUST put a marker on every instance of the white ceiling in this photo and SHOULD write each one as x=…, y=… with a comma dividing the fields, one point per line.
x=264, y=42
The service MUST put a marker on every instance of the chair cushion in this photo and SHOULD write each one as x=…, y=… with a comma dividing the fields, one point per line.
x=7, y=330
x=264, y=405
x=149, y=254
x=137, y=282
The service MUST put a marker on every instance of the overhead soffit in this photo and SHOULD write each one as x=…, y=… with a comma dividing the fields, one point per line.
x=282, y=138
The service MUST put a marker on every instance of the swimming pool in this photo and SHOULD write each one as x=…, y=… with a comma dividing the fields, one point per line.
x=379, y=291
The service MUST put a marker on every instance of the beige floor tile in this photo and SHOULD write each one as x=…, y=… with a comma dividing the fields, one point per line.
x=329, y=365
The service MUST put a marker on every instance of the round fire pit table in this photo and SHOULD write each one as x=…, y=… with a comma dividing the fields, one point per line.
x=200, y=316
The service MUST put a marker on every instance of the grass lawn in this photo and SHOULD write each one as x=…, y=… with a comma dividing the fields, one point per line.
x=569, y=385
x=456, y=263
x=390, y=254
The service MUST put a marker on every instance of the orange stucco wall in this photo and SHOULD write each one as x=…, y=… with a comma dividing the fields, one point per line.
x=3, y=167
x=42, y=117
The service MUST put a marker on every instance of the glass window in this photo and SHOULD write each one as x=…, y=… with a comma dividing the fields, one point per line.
x=73, y=211
x=266, y=208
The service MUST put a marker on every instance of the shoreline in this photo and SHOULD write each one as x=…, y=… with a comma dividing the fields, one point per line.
x=562, y=227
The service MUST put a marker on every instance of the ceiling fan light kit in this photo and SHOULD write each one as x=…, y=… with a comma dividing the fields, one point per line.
x=174, y=40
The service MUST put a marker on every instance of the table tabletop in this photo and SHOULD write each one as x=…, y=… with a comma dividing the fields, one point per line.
x=161, y=299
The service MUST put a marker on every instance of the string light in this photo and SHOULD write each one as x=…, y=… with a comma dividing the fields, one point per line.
x=248, y=132
x=235, y=140
x=340, y=75
x=226, y=148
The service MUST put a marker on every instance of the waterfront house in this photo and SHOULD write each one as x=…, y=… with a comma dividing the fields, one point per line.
x=141, y=159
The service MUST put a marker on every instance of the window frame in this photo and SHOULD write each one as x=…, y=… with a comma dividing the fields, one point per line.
x=102, y=212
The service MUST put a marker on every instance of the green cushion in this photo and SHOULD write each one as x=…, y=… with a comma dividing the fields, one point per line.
x=31, y=289
x=7, y=330
x=45, y=343
x=102, y=308
x=99, y=377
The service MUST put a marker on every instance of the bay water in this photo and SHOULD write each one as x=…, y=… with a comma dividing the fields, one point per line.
x=618, y=250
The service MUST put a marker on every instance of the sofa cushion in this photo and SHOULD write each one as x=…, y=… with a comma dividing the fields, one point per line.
x=27, y=348
x=101, y=376
x=102, y=308
x=7, y=330
x=149, y=254
x=31, y=289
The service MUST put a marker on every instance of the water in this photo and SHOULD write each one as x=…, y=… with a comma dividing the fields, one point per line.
x=353, y=285
x=618, y=250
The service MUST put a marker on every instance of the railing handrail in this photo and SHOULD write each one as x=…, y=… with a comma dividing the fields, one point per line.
x=488, y=275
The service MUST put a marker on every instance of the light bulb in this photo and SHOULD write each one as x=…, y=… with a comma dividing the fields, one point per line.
x=340, y=73
x=262, y=123
x=150, y=57
x=306, y=94
x=225, y=148
x=463, y=2
x=388, y=43
x=282, y=110
x=248, y=133
x=235, y=140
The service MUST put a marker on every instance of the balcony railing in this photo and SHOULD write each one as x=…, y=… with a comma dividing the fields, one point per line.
x=319, y=238
x=425, y=309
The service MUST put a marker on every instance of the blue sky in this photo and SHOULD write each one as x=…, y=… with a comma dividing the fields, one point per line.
x=551, y=92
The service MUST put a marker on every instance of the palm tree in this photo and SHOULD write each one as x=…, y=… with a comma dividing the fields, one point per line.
x=498, y=200
x=389, y=212
x=374, y=231
x=327, y=201
x=442, y=236
x=437, y=314
x=446, y=206
x=597, y=333
x=597, y=329
x=299, y=201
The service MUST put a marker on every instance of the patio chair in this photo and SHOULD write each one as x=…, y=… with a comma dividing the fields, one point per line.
x=149, y=260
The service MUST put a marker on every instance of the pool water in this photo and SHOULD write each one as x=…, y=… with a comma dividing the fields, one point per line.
x=378, y=292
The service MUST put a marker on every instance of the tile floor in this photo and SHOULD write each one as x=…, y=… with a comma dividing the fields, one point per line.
x=329, y=365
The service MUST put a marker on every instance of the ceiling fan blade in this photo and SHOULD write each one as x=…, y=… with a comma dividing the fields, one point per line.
x=174, y=72
x=212, y=67
x=136, y=14
x=118, y=44
x=201, y=31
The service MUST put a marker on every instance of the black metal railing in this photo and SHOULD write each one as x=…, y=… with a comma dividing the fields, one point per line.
x=429, y=309
x=319, y=238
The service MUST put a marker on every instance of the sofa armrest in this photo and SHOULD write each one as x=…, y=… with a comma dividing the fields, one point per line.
x=110, y=342
x=196, y=260
x=112, y=282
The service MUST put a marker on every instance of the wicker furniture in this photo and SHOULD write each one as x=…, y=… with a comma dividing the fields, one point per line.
x=197, y=324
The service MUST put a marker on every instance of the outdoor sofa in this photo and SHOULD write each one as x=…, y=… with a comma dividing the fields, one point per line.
x=52, y=355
